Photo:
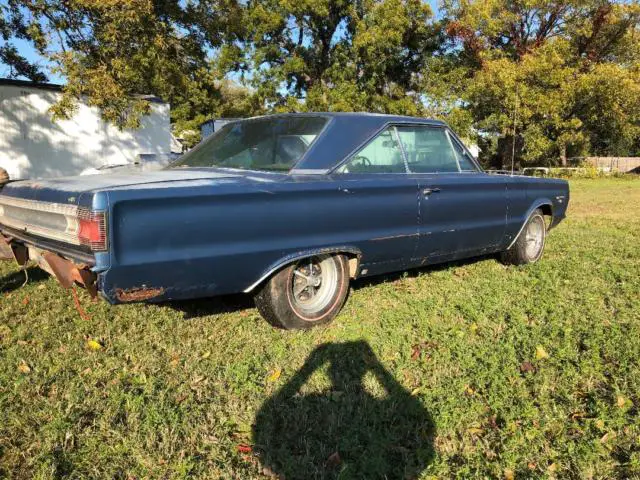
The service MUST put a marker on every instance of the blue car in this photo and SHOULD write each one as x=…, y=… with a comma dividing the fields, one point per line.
x=288, y=208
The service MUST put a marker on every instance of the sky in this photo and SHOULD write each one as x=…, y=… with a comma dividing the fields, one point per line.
x=29, y=52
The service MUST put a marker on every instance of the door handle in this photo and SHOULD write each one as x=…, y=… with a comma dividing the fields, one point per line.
x=428, y=191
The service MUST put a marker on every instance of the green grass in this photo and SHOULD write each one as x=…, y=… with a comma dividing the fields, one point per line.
x=469, y=370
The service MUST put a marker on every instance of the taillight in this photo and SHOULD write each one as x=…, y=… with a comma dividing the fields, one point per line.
x=92, y=229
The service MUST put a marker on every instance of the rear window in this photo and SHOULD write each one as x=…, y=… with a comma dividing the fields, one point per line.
x=267, y=144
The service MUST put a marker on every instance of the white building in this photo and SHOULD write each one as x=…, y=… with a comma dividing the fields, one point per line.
x=33, y=146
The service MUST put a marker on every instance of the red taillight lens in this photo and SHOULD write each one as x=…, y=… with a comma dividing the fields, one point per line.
x=92, y=230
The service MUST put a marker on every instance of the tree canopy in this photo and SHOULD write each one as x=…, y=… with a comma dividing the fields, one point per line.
x=549, y=79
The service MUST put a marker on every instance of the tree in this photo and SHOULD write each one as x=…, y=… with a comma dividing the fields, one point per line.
x=13, y=26
x=337, y=55
x=534, y=75
x=111, y=51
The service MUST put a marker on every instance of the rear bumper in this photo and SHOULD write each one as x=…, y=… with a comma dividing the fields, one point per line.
x=67, y=272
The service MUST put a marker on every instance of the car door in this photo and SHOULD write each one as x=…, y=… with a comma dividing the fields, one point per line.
x=462, y=210
x=380, y=204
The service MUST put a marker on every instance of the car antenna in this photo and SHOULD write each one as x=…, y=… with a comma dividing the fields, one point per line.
x=513, y=143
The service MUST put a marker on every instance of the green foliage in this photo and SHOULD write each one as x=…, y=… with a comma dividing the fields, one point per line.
x=13, y=25
x=112, y=51
x=552, y=79
x=343, y=56
x=564, y=75
x=174, y=390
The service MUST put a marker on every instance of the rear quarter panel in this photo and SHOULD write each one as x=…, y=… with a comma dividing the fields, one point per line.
x=203, y=240
x=525, y=194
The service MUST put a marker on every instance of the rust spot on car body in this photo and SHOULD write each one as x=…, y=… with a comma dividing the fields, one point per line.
x=138, y=294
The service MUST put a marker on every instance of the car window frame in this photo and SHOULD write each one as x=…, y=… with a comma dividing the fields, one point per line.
x=365, y=144
x=328, y=121
x=454, y=139
x=451, y=136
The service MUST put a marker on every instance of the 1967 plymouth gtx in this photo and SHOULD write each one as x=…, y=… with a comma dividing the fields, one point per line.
x=288, y=208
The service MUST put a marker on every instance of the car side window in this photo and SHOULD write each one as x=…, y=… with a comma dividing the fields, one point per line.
x=464, y=160
x=428, y=149
x=382, y=155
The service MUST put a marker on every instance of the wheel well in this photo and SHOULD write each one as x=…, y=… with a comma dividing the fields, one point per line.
x=353, y=258
x=354, y=263
x=546, y=209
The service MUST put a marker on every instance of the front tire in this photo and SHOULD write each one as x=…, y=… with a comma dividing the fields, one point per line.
x=306, y=293
x=529, y=245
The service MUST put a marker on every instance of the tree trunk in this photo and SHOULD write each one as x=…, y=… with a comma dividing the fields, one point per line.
x=563, y=155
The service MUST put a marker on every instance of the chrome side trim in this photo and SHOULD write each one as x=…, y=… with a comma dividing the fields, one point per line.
x=540, y=204
x=309, y=171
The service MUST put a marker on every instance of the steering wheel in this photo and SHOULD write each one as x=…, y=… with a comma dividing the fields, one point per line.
x=364, y=161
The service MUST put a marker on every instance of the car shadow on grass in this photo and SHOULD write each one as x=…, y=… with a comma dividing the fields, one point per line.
x=364, y=425
x=16, y=280
x=204, y=307
x=238, y=302
x=415, y=272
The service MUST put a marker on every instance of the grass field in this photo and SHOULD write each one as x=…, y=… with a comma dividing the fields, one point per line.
x=465, y=370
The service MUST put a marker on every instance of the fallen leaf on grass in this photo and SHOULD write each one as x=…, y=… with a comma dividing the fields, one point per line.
x=422, y=347
x=415, y=352
x=541, y=353
x=334, y=460
x=275, y=375
x=206, y=355
x=243, y=448
x=24, y=368
x=527, y=367
x=607, y=436
x=25, y=301
x=508, y=474
x=93, y=345
x=621, y=401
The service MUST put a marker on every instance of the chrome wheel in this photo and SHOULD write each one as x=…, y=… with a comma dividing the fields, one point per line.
x=534, y=237
x=313, y=284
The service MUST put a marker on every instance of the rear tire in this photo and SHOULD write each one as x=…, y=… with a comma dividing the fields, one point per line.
x=306, y=293
x=529, y=246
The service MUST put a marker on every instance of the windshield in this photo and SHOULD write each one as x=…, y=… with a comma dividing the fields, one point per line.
x=269, y=143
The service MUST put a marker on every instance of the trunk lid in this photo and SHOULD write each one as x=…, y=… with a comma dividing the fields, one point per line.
x=68, y=190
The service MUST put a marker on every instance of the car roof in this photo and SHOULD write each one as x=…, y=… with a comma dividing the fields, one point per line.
x=344, y=133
